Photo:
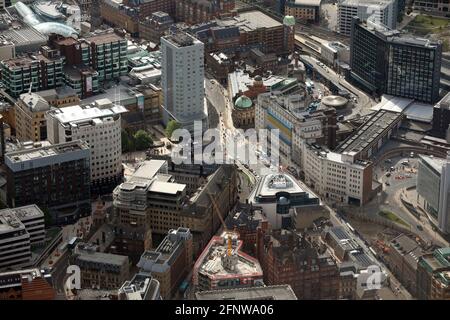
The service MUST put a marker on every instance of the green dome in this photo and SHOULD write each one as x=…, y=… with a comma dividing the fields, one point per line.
x=289, y=21
x=243, y=102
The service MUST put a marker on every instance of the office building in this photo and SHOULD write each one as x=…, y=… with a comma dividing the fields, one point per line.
x=434, y=7
x=103, y=51
x=222, y=265
x=153, y=27
x=277, y=196
x=433, y=275
x=297, y=120
x=384, y=62
x=82, y=79
x=141, y=287
x=171, y=262
x=382, y=12
x=279, y=292
x=99, y=124
x=252, y=29
x=289, y=258
x=26, y=284
x=182, y=80
x=153, y=197
x=197, y=11
x=116, y=14
x=441, y=118
x=338, y=177
x=20, y=228
x=31, y=124
x=303, y=10
x=100, y=270
x=33, y=219
x=433, y=190
x=403, y=258
x=12, y=231
x=40, y=71
x=55, y=177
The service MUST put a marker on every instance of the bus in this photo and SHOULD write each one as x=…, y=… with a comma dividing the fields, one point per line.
x=350, y=227
x=373, y=251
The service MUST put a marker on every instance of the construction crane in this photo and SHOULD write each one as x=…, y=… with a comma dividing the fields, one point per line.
x=217, y=211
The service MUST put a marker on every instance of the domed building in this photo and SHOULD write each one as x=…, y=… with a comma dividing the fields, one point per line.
x=243, y=113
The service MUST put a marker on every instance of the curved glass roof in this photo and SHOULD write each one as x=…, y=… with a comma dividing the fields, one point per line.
x=55, y=27
x=30, y=18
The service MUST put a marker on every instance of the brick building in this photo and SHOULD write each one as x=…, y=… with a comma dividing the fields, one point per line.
x=289, y=258
x=198, y=11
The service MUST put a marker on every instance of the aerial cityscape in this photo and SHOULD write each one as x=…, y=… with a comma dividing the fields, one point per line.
x=224, y=150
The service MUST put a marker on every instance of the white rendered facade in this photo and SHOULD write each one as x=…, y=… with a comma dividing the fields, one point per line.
x=182, y=79
x=15, y=246
x=335, y=176
x=100, y=129
x=380, y=11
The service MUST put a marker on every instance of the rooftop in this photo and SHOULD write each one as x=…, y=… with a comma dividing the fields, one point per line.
x=87, y=254
x=104, y=38
x=45, y=152
x=433, y=162
x=250, y=21
x=9, y=221
x=81, y=113
x=369, y=131
x=25, y=212
x=141, y=287
x=277, y=292
x=34, y=102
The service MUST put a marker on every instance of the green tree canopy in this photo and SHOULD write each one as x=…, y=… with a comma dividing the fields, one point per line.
x=142, y=140
x=171, y=127
x=127, y=142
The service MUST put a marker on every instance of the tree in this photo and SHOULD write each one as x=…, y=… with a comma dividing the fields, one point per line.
x=142, y=140
x=128, y=143
x=171, y=127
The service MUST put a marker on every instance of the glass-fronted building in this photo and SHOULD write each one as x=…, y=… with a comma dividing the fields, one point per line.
x=384, y=62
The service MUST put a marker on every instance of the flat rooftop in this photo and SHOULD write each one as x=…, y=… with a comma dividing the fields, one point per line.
x=277, y=292
x=82, y=113
x=273, y=183
x=433, y=162
x=46, y=151
x=104, y=38
x=102, y=258
x=365, y=2
x=150, y=168
x=25, y=212
x=181, y=39
x=369, y=131
x=9, y=221
x=250, y=21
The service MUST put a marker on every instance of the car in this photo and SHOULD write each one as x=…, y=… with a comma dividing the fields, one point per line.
x=392, y=169
x=388, y=174
x=387, y=183
x=411, y=155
